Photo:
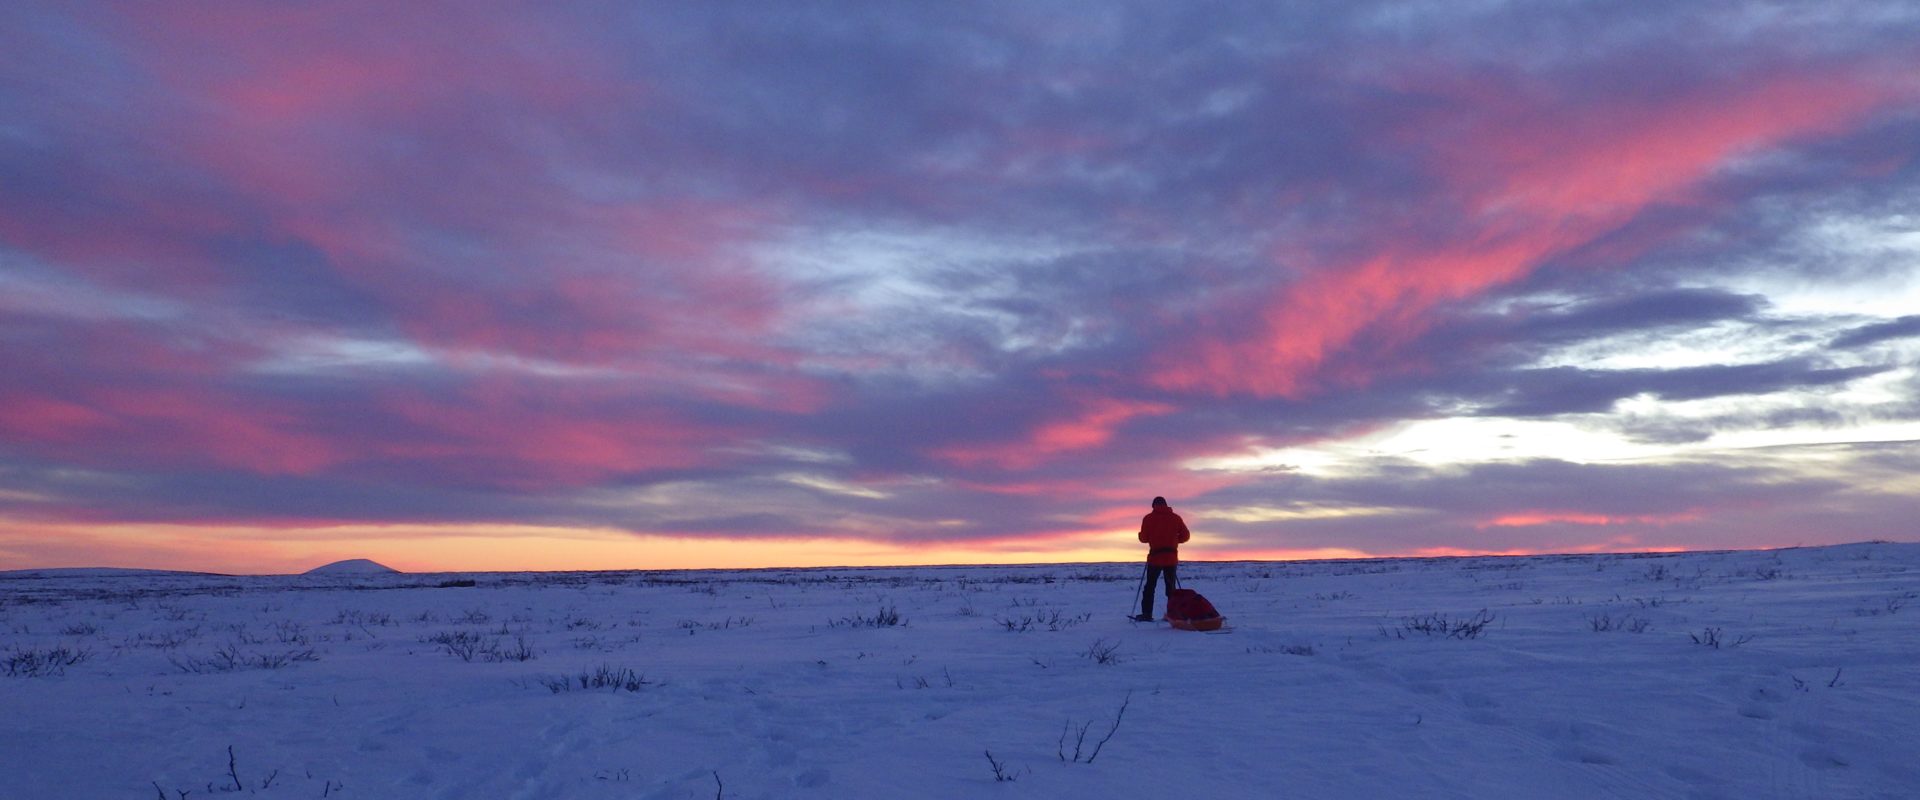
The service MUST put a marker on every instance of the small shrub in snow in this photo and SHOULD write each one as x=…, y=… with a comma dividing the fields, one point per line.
x=290, y=632
x=469, y=645
x=1714, y=638
x=520, y=651
x=922, y=682
x=1565, y=600
x=463, y=644
x=80, y=629
x=605, y=676
x=1052, y=619
x=1289, y=649
x=1103, y=652
x=234, y=784
x=280, y=659
x=725, y=624
x=1602, y=623
x=1892, y=605
x=1012, y=625
x=230, y=658
x=42, y=663
x=362, y=619
x=456, y=583
x=886, y=617
x=1000, y=772
x=1080, y=737
x=1438, y=624
x=165, y=640
x=244, y=636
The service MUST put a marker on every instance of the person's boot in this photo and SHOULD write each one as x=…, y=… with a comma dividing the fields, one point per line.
x=1143, y=618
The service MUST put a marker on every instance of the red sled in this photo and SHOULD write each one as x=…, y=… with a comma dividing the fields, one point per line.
x=1188, y=611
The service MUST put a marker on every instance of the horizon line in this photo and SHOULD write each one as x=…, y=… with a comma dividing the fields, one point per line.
x=23, y=572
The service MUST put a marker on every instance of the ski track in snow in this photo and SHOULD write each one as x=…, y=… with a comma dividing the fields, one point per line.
x=788, y=683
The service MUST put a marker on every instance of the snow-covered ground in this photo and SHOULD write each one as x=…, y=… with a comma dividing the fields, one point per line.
x=1337, y=680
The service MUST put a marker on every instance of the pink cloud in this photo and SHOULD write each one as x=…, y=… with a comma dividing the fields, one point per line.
x=1539, y=177
x=165, y=426
x=422, y=151
x=1091, y=425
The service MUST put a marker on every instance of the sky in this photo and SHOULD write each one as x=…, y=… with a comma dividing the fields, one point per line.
x=466, y=286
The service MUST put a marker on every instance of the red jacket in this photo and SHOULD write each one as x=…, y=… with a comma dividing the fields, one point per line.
x=1164, y=531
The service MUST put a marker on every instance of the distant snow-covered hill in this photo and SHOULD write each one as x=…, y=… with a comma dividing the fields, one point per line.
x=353, y=566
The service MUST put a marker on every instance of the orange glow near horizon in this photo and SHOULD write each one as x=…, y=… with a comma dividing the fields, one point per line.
x=1535, y=518
x=503, y=548
x=1614, y=546
x=523, y=548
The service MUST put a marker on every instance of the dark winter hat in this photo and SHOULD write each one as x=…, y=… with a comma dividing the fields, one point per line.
x=1159, y=502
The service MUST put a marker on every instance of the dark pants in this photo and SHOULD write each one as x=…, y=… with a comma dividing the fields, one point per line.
x=1153, y=577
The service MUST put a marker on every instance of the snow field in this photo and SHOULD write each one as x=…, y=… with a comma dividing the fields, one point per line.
x=1585, y=677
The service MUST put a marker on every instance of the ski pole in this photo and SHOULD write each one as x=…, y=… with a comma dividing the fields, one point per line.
x=1138, y=589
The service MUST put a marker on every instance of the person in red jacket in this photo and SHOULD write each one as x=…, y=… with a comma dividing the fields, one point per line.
x=1163, y=531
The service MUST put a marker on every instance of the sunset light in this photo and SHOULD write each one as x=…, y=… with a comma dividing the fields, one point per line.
x=702, y=286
